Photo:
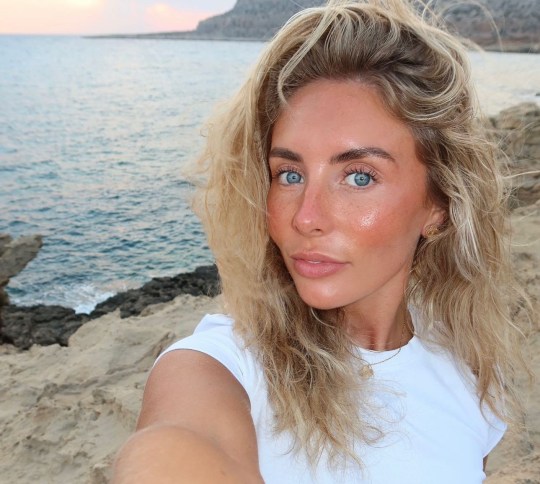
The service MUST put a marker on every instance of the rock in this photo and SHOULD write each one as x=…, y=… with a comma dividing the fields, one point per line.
x=5, y=240
x=14, y=256
x=204, y=281
x=46, y=325
x=517, y=130
x=43, y=325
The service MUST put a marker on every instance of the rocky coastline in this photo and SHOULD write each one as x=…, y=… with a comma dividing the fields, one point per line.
x=42, y=324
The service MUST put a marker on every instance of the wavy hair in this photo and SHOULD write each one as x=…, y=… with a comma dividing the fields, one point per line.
x=461, y=279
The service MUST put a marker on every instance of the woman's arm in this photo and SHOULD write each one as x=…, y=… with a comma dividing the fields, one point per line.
x=195, y=426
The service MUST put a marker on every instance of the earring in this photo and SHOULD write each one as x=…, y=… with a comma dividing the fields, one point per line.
x=431, y=231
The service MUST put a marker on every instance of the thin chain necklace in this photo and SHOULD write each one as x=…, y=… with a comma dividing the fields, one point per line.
x=367, y=369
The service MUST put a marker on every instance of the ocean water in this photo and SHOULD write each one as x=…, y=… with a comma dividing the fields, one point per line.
x=95, y=136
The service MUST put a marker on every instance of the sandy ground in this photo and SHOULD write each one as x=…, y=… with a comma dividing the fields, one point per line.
x=517, y=459
x=65, y=411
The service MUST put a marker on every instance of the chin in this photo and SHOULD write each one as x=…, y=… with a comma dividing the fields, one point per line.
x=318, y=300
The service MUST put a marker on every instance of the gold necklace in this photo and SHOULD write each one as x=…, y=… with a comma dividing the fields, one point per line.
x=367, y=369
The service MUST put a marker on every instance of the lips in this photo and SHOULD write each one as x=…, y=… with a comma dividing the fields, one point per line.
x=314, y=265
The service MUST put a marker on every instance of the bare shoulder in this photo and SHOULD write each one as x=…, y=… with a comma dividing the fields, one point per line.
x=192, y=390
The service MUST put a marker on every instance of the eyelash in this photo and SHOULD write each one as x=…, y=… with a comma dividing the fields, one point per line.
x=285, y=169
x=348, y=171
x=365, y=171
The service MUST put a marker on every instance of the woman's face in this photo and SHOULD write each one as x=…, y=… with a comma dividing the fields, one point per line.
x=348, y=199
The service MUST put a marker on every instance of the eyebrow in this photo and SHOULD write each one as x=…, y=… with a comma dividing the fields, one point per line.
x=285, y=154
x=349, y=155
x=359, y=153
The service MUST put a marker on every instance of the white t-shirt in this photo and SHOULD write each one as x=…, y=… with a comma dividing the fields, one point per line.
x=434, y=430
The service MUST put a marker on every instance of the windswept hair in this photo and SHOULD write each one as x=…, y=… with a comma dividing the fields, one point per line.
x=461, y=279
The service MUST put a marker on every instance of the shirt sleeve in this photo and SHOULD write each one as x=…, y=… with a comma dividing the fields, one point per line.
x=214, y=337
x=496, y=430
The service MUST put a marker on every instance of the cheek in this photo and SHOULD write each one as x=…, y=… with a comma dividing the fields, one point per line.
x=371, y=228
x=384, y=225
x=369, y=220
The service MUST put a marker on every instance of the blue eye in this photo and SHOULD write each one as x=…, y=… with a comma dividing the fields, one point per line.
x=359, y=179
x=290, y=178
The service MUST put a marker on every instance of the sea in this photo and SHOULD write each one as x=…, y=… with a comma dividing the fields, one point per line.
x=97, y=136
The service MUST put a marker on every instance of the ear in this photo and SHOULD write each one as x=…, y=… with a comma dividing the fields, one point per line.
x=435, y=219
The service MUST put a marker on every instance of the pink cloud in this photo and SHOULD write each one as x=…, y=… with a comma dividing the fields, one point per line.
x=98, y=16
x=162, y=17
x=53, y=16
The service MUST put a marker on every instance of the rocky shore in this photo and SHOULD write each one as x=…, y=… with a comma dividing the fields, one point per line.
x=47, y=325
x=72, y=384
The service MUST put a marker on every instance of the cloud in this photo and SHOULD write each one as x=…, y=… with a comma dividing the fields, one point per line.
x=105, y=16
x=52, y=16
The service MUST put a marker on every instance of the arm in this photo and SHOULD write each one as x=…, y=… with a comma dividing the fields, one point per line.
x=195, y=426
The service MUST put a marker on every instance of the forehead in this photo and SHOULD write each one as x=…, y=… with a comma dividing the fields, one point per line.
x=336, y=115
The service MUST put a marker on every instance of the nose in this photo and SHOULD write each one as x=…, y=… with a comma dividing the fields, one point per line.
x=312, y=214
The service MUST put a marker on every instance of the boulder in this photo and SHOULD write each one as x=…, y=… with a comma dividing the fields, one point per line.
x=43, y=325
x=517, y=130
x=14, y=256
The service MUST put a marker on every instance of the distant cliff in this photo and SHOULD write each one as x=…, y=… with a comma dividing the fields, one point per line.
x=254, y=19
x=516, y=22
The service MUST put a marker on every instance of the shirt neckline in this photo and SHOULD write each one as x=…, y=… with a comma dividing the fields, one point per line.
x=382, y=360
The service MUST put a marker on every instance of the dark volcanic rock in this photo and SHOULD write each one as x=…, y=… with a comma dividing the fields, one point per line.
x=45, y=325
x=204, y=281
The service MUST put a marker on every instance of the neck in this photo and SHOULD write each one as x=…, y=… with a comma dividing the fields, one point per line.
x=386, y=329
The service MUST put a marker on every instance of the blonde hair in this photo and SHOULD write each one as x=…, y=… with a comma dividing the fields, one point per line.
x=461, y=279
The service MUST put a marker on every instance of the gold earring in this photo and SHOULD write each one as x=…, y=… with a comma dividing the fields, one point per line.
x=432, y=231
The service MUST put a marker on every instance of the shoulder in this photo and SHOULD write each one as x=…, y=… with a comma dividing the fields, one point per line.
x=214, y=336
x=213, y=330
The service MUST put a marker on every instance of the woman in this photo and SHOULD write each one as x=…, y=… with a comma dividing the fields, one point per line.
x=357, y=217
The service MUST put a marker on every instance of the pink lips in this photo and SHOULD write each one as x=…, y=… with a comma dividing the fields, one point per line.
x=313, y=265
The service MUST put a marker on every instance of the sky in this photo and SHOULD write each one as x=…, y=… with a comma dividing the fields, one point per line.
x=86, y=17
